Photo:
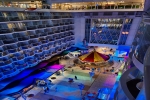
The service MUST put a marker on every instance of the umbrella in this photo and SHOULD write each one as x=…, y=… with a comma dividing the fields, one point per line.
x=94, y=57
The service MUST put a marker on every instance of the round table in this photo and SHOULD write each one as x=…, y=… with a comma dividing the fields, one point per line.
x=31, y=95
x=90, y=95
x=53, y=77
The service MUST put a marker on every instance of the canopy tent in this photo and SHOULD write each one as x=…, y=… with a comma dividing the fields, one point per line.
x=94, y=57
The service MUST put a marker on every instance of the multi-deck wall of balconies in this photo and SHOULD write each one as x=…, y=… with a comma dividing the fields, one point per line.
x=27, y=38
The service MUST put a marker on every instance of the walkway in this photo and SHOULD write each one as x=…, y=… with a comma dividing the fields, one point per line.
x=70, y=91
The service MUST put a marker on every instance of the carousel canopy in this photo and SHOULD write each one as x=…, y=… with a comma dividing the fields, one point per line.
x=94, y=57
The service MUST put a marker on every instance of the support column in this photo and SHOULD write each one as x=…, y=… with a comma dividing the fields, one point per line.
x=79, y=29
x=133, y=30
x=147, y=73
x=141, y=95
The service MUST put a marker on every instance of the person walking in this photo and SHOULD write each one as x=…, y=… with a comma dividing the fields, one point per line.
x=75, y=77
x=72, y=70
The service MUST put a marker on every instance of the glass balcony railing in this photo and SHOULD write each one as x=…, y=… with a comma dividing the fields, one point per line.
x=96, y=5
x=33, y=36
x=147, y=20
x=56, y=24
x=50, y=33
x=9, y=41
x=61, y=23
x=32, y=18
x=71, y=28
x=19, y=29
x=31, y=27
x=23, y=38
x=66, y=23
x=40, y=26
x=48, y=25
x=6, y=30
x=44, y=17
x=71, y=22
x=3, y=19
x=42, y=34
x=14, y=18
x=62, y=30
x=56, y=17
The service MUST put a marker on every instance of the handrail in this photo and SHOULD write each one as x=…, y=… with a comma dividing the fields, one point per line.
x=123, y=83
x=138, y=64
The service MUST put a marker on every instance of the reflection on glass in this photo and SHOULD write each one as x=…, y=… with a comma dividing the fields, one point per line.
x=87, y=29
x=105, y=31
x=142, y=41
x=125, y=31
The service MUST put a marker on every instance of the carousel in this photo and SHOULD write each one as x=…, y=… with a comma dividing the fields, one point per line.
x=93, y=59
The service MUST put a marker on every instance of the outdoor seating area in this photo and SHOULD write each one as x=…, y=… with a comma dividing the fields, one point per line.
x=74, y=71
x=90, y=96
x=70, y=80
x=74, y=74
x=96, y=5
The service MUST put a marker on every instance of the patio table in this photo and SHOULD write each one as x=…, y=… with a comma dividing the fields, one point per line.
x=90, y=95
x=102, y=96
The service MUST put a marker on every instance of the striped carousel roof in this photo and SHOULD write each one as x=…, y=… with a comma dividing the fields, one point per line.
x=94, y=57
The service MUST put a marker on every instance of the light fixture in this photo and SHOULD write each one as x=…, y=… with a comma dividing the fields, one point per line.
x=99, y=31
x=126, y=32
x=123, y=32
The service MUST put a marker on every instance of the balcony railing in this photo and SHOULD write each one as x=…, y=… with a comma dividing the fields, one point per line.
x=23, y=38
x=147, y=20
x=67, y=29
x=62, y=30
x=19, y=29
x=71, y=28
x=66, y=23
x=56, y=17
x=42, y=34
x=71, y=22
x=99, y=6
x=48, y=25
x=32, y=18
x=14, y=18
x=44, y=17
x=31, y=27
x=6, y=31
x=3, y=19
x=61, y=23
x=41, y=26
x=57, y=31
x=50, y=33
x=56, y=24
x=8, y=41
x=33, y=36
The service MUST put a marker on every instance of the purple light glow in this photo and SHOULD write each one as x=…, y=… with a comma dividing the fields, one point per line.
x=129, y=67
x=109, y=82
x=55, y=67
x=125, y=58
x=42, y=64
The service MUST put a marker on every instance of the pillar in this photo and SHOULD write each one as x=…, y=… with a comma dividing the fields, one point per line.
x=147, y=73
x=79, y=29
x=133, y=30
